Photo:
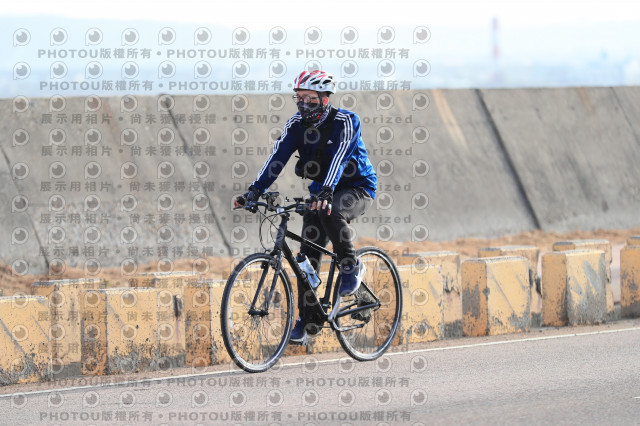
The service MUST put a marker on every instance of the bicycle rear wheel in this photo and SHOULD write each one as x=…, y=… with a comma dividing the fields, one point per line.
x=368, y=334
x=256, y=338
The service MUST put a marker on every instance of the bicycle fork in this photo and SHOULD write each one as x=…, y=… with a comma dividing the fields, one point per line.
x=265, y=269
x=277, y=251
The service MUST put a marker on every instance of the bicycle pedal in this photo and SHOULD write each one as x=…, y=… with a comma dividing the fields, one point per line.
x=305, y=341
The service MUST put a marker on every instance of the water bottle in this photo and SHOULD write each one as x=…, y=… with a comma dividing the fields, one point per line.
x=306, y=267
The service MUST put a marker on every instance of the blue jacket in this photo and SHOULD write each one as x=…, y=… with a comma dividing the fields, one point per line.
x=346, y=163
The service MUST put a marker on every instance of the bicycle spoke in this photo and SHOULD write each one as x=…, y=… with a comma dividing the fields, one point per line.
x=378, y=325
x=254, y=335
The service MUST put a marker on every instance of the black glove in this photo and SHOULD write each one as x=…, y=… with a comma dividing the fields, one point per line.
x=326, y=193
x=251, y=195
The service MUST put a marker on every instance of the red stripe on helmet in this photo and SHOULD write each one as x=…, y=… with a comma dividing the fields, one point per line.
x=298, y=80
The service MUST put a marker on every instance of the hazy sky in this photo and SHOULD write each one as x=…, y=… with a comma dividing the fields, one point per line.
x=585, y=35
x=336, y=13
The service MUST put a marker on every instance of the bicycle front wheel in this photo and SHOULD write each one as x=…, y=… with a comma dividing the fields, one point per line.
x=367, y=334
x=256, y=313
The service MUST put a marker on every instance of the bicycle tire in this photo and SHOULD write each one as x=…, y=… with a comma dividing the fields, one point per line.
x=254, y=342
x=374, y=338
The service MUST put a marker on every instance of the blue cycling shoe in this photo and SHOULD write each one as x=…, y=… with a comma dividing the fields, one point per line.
x=301, y=332
x=351, y=278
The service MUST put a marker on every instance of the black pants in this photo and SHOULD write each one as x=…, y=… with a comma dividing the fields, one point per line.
x=321, y=228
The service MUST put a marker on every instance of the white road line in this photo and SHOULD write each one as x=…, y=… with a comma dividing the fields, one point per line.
x=506, y=342
x=326, y=361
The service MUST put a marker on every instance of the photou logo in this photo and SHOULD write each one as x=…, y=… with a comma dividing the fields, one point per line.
x=57, y=103
x=384, y=101
x=277, y=35
x=420, y=101
x=92, y=103
x=20, y=137
x=128, y=203
x=384, y=135
x=276, y=102
x=92, y=37
x=348, y=101
x=312, y=35
x=421, y=34
x=346, y=398
x=21, y=37
x=386, y=34
x=201, y=136
x=57, y=203
x=349, y=69
x=128, y=103
x=275, y=398
x=240, y=69
x=421, y=68
x=240, y=35
x=167, y=35
x=239, y=103
x=277, y=69
x=202, y=36
x=348, y=35
x=58, y=36
x=21, y=70
x=202, y=69
x=166, y=69
x=420, y=135
x=201, y=103
x=129, y=37
x=310, y=398
x=128, y=266
x=20, y=103
x=130, y=70
x=165, y=202
x=386, y=68
x=127, y=399
x=58, y=70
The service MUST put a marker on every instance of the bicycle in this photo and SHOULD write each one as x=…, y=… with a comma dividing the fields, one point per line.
x=258, y=307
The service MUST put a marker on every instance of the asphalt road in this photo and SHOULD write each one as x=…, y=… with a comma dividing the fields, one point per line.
x=578, y=375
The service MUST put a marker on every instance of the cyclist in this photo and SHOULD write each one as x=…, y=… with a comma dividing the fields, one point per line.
x=333, y=155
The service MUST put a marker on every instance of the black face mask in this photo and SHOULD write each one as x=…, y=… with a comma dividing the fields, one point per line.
x=310, y=113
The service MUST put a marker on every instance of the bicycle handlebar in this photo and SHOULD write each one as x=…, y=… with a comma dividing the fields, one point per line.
x=300, y=206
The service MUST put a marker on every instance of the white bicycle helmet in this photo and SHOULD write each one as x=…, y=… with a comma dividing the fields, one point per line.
x=317, y=80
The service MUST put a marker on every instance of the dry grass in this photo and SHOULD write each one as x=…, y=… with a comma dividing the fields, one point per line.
x=219, y=267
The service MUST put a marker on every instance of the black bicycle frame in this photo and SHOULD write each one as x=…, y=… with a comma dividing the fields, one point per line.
x=281, y=247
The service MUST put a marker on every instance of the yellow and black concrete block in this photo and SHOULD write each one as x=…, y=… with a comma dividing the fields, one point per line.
x=496, y=296
x=423, y=304
x=574, y=287
x=630, y=280
x=25, y=343
x=175, y=284
x=65, y=308
x=129, y=330
x=633, y=240
x=532, y=254
x=204, y=345
x=448, y=264
x=603, y=245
